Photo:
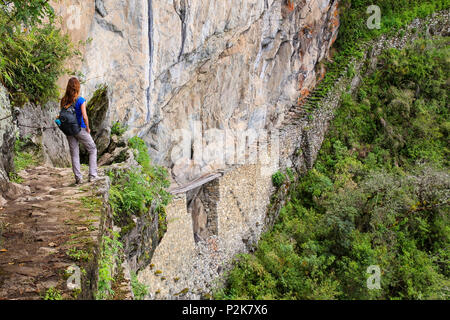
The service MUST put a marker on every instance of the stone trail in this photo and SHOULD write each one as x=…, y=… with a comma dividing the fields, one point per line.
x=44, y=231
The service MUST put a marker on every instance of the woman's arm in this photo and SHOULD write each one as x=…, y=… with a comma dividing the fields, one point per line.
x=85, y=117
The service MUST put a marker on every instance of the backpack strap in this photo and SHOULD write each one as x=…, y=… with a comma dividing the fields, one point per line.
x=70, y=105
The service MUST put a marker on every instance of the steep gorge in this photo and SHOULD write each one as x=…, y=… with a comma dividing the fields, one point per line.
x=215, y=76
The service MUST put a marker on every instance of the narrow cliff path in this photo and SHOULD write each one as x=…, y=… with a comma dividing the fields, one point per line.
x=46, y=231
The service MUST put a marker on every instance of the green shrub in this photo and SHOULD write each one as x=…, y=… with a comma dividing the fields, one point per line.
x=290, y=174
x=18, y=13
x=140, y=290
x=134, y=191
x=109, y=260
x=32, y=58
x=141, y=152
x=77, y=254
x=53, y=294
x=278, y=178
x=131, y=192
x=118, y=129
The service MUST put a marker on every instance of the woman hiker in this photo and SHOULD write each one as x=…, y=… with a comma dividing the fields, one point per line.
x=72, y=96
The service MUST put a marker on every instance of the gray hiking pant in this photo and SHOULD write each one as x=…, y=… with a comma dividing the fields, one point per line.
x=85, y=138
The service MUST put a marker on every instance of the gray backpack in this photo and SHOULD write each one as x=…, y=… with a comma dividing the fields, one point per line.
x=69, y=122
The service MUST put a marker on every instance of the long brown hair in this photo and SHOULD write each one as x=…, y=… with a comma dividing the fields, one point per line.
x=72, y=92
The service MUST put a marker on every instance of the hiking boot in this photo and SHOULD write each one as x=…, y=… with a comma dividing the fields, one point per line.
x=78, y=181
x=93, y=179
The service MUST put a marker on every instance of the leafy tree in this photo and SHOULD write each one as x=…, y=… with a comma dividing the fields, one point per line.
x=32, y=51
x=19, y=13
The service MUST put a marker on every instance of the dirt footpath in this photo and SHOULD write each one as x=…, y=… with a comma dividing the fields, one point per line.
x=45, y=232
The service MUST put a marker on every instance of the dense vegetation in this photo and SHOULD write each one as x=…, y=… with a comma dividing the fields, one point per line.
x=134, y=191
x=378, y=195
x=354, y=33
x=32, y=51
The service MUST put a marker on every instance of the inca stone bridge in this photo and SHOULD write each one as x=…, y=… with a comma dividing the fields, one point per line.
x=195, y=183
x=226, y=216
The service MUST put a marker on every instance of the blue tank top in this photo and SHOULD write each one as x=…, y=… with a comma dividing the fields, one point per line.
x=78, y=105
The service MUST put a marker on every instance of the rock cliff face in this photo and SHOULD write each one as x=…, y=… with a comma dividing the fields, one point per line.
x=7, y=139
x=55, y=148
x=28, y=122
x=194, y=65
x=233, y=66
